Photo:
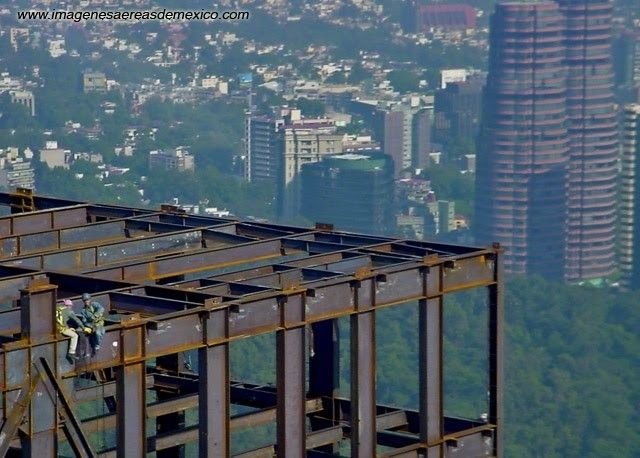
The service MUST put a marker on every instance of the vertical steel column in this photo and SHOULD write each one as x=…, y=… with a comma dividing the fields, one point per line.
x=290, y=379
x=37, y=304
x=130, y=396
x=363, y=372
x=496, y=355
x=213, y=401
x=324, y=365
x=430, y=356
x=324, y=376
x=172, y=421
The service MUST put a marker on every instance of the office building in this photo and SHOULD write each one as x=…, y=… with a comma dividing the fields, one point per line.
x=457, y=111
x=352, y=191
x=263, y=148
x=178, y=159
x=421, y=125
x=593, y=133
x=304, y=141
x=446, y=216
x=629, y=200
x=15, y=169
x=523, y=146
x=402, y=128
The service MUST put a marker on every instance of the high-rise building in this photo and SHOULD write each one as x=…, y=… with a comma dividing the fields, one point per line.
x=403, y=129
x=594, y=139
x=547, y=151
x=304, y=141
x=421, y=138
x=457, y=111
x=263, y=148
x=523, y=145
x=352, y=191
x=395, y=142
x=629, y=200
x=446, y=216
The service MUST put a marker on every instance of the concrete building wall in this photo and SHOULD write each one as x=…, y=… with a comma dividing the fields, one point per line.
x=55, y=157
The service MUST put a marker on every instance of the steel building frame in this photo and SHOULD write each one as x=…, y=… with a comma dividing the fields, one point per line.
x=176, y=282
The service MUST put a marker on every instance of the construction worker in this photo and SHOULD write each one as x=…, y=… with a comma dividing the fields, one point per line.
x=65, y=318
x=92, y=316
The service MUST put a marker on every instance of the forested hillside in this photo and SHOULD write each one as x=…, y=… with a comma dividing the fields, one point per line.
x=572, y=367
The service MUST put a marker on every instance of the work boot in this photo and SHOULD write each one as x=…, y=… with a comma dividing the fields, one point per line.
x=72, y=358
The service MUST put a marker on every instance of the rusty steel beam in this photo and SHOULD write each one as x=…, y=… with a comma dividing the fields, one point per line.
x=74, y=431
x=236, y=422
x=219, y=280
x=363, y=385
x=92, y=256
x=213, y=408
x=190, y=434
x=324, y=299
x=496, y=353
x=130, y=394
x=17, y=413
x=195, y=261
x=430, y=355
x=290, y=378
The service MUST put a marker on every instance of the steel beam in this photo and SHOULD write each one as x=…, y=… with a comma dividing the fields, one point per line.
x=324, y=375
x=290, y=378
x=255, y=279
x=213, y=399
x=430, y=358
x=496, y=353
x=130, y=395
x=363, y=385
x=430, y=367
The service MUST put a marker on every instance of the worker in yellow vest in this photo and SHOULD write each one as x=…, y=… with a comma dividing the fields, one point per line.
x=92, y=317
x=67, y=322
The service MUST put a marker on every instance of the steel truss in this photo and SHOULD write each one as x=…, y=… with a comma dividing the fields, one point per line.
x=174, y=282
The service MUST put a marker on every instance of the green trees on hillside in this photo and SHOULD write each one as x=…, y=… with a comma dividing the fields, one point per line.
x=571, y=372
